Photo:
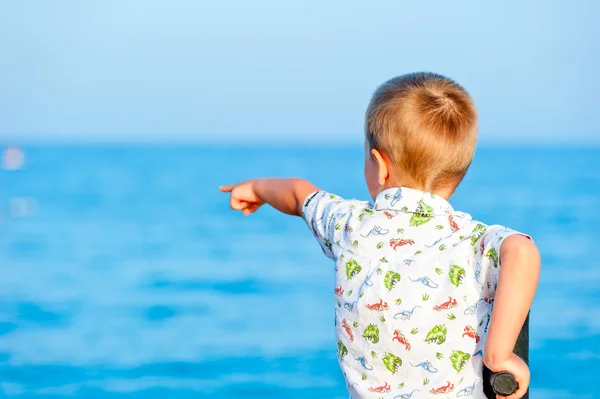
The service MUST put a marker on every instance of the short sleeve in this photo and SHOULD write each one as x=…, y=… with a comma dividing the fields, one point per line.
x=327, y=215
x=490, y=245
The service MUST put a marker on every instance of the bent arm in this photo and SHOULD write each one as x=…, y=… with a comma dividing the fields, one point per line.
x=517, y=281
x=285, y=195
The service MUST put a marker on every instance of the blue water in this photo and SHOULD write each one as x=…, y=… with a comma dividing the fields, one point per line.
x=123, y=274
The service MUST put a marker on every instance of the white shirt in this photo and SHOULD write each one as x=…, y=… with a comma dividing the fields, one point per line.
x=415, y=282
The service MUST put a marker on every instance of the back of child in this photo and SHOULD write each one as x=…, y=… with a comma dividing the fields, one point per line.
x=414, y=285
x=415, y=280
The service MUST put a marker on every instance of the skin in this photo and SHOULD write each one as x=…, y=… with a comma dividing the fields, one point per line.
x=518, y=278
x=519, y=257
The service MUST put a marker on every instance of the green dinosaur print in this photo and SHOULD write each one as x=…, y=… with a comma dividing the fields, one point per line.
x=328, y=245
x=456, y=275
x=392, y=362
x=493, y=255
x=390, y=279
x=422, y=215
x=342, y=351
x=364, y=212
x=478, y=227
x=371, y=333
x=352, y=268
x=459, y=359
x=437, y=335
x=478, y=232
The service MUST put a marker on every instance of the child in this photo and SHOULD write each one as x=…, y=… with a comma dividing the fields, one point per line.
x=415, y=279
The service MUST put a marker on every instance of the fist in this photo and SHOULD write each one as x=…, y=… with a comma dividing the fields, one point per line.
x=243, y=197
x=519, y=369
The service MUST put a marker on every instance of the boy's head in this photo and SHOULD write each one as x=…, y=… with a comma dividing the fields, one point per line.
x=421, y=131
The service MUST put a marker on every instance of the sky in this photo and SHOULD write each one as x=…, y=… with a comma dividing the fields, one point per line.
x=299, y=71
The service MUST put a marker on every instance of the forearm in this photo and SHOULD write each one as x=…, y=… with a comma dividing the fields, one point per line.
x=517, y=282
x=285, y=195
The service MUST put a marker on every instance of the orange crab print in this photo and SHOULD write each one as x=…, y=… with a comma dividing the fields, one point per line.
x=379, y=306
x=471, y=333
x=449, y=387
x=400, y=242
x=381, y=389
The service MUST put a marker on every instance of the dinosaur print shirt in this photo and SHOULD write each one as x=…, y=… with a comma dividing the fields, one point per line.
x=415, y=283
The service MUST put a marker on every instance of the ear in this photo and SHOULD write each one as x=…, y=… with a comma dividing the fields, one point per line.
x=383, y=169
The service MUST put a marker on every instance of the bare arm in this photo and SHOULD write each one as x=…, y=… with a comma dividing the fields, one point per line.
x=285, y=195
x=518, y=278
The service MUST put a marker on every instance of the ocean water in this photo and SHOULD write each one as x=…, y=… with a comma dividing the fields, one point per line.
x=123, y=273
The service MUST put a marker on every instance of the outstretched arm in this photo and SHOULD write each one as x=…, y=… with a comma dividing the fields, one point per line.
x=517, y=281
x=285, y=195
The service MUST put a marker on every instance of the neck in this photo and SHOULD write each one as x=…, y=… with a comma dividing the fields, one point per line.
x=444, y=191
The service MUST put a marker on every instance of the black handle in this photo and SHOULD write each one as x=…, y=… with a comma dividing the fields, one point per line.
x=502, y=383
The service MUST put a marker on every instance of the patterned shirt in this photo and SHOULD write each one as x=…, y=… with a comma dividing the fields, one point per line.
x=415, y=283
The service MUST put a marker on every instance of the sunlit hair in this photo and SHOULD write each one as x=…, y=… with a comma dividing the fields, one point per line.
x=426, y=124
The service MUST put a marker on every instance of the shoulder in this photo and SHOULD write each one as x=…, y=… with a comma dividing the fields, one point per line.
x=332, y=202
x=520, y=245
x=499, y=241
x=498, y=234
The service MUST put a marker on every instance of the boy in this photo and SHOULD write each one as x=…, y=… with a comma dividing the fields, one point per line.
x=415, y=279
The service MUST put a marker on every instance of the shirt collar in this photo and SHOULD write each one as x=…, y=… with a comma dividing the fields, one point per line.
x=412, y=200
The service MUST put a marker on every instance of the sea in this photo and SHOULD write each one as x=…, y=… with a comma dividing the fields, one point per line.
x=124, y=274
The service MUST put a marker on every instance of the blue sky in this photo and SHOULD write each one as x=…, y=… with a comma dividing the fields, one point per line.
x=288, y=70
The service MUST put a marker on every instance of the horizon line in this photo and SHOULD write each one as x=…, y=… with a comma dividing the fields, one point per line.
x=68, y=142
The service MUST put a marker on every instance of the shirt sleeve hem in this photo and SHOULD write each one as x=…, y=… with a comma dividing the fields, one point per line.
x=504, y=237
x=307, y=201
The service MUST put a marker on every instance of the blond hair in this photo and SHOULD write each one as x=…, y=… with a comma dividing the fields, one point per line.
x=426, y=124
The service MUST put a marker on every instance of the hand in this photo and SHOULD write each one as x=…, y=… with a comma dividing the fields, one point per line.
x=243, y=197
x=518, y=368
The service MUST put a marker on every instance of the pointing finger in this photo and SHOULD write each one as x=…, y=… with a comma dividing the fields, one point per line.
x=226, y=189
